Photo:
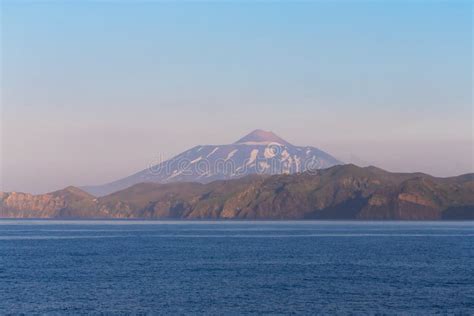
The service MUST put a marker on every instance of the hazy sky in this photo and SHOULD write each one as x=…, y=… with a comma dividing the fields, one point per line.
x=96, y=90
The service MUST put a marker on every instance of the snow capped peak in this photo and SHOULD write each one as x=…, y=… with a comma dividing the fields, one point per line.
x=260, y=152
x=261, y=137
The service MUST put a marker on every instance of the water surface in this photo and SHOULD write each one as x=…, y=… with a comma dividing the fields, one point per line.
x=233, y=267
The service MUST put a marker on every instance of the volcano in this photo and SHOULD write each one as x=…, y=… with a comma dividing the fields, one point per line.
x=260, y=152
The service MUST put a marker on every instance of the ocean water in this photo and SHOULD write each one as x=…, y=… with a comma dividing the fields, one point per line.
x=172, y=267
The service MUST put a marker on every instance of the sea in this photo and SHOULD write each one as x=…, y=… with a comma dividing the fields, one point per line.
x=236, y=267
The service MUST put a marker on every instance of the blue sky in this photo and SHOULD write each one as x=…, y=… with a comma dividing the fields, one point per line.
x=94, y=90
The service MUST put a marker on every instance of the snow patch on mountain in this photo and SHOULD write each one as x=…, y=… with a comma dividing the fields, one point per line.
x=195, y=160
x=284, y=155
x=253, y=157
x=213, y=151
x=232, y=153
x=269, y=152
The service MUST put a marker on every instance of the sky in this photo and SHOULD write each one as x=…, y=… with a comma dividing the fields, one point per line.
x=93, y=91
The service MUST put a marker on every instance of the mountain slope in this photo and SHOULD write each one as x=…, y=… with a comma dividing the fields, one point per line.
x=50, y=205
x=259, y=152
x=340, y=192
